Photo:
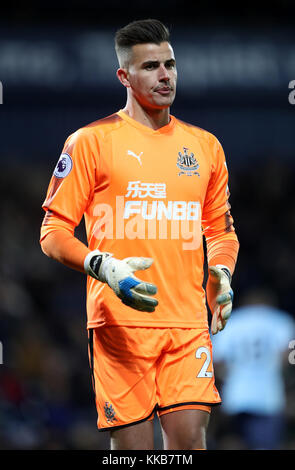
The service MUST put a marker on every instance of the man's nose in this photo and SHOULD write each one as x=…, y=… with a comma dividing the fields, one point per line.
x=163, y=73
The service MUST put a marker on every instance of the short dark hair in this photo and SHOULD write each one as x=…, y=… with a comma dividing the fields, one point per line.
x=140, y=32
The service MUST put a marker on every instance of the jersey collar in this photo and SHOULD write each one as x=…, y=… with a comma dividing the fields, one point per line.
x=162, y=130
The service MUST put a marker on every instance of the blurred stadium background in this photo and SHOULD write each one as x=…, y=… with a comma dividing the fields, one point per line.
x=57, y=67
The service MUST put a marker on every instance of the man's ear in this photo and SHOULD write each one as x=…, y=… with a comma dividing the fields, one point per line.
x=122, y=75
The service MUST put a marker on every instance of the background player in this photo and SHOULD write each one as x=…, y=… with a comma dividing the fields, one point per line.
x=147, y=354
x=251, y=356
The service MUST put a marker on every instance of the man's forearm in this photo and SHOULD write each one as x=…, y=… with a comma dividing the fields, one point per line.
x=65, y=248
x=223, y=252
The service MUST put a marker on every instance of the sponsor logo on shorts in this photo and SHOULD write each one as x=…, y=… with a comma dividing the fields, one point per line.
x=109, y=412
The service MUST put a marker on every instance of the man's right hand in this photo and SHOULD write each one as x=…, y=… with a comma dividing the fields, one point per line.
x=118, y=274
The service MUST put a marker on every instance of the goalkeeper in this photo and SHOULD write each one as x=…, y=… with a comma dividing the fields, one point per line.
x=149, y=344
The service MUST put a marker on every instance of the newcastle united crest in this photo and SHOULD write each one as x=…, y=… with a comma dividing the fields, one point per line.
x=109, y=412
x=187, y=163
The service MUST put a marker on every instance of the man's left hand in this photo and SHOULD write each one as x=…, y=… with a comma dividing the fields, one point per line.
x=219, y=297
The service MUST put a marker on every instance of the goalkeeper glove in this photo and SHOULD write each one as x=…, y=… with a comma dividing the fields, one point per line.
x=219, y=296
x=118, y=274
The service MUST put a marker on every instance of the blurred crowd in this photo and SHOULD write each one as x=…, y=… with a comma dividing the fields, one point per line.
x=46, y=398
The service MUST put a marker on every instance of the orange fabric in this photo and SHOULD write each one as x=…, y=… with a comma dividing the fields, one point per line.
x=63, y=247
x=143, y=192
x=223, y=252
x=134, y=373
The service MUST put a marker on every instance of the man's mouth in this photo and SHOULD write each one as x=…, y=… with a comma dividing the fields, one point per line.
x=165, y=90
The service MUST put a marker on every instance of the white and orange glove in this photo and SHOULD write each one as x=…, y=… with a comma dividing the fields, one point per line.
x=118, y=274
x=219, y=296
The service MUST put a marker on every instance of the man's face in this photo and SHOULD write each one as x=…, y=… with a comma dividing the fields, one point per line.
x=152, y=75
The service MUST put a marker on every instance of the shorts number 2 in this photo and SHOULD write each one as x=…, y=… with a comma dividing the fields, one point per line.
x=200, y=352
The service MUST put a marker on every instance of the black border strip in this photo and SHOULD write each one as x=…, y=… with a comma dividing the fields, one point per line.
x=163, y=408
x=91, y=358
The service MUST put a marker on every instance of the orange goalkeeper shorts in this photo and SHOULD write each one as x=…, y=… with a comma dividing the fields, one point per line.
x=138, y=371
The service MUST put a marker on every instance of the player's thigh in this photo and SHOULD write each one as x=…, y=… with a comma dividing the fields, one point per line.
x=185, y=429
x=137, y=437
x=186, y=389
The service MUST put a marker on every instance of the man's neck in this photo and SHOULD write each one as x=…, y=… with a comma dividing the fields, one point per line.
x=153, y=118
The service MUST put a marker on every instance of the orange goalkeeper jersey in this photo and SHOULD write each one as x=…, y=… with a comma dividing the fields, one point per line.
x=144, y=192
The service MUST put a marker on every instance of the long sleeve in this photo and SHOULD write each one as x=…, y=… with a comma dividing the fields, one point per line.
x=68, y=195
x=217, y=222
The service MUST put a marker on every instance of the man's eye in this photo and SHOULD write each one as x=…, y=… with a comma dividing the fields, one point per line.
x=149, y=67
